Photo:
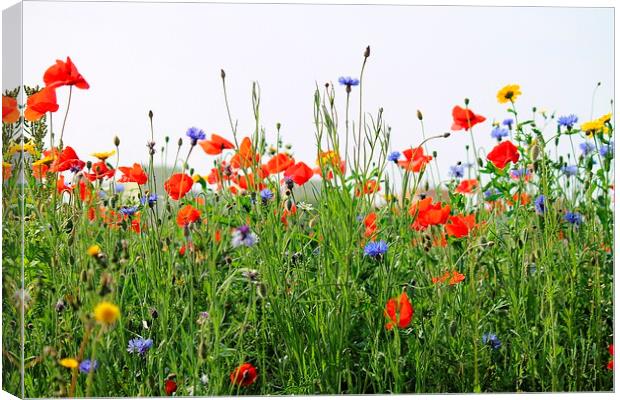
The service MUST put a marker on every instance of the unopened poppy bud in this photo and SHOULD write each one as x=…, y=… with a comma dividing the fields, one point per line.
x=222, y=73
x=420, y=117
x=167, y=139
x=326, y=85
x=180, y=142
x=446, y=135
x=434, y=153
x=534, y=109
x=466, y=101
x=117, y=141
x=367, y=52
x=89, y=165
x=278, y=126
x=426, y=186
x=479, y=162
x=151, y=114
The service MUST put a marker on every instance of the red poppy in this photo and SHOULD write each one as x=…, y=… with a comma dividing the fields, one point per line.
x=370, y=222
x=427, y=213
x=464, y=118
x=401, y=306
x=40, y=170
x=503, y=153
x=466, y=186
x=460, y=225
x=178, y=185
x=280, y=162
x=100, y=171
x=245, y=155
x=244, y=375
x=288, y=210
x=135, y=223
x=39, y=103
x=84, y=190
x=610, y=364
x=300, y=173
x=10, y=112
x=67, y=160
x=415, y=159
x=61, y=185
x=170, y=387
x=369, y=188
x=248, y=181
x=7, y=170
x=187, y=214
x=519, y=199
x=133, y=174
x=453, y=278
x=216, y=145
x=64, y=73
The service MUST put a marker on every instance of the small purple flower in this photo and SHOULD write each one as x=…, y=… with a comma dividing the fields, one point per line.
x=266, y=195
x=243, y=236
x=520, y=173
x=587, y=148
x=457, y=171
x=607, y=150
x=573, y=218
x=491, y=340
x=196, y=134
x=139, y=346
x=508, y=122
x=119, y=188
x=499, y=133
x=375, y=249
x=86, y=366
x=570, y=170
x=128, y=211
x=490, y=193
x=568, y=121
x=348, y=81
x=394, y=156
x=539, y=204
x=151, y=199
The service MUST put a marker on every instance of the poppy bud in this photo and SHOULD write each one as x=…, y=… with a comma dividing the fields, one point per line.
x=150, y=114
x=419, y=115
x=278, y=125
x=167, y=139
x=367, y=52
x=326, y=85
x=426, y=186
x=446, y=135
x=117, y=141
x=222, y=74
x=466, y=101
x=89, y=165
x=180, y=142
x=434, y=153
x=479, y=162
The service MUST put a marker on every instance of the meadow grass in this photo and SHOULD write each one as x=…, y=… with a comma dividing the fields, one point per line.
x=305, y=303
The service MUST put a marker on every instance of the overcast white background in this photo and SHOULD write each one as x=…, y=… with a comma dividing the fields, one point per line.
x=167, y=58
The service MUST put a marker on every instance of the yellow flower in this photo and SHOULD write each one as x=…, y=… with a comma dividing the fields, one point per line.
x=592, y=126
x=605, y=118
x=93, y=250
x=107, y=313
x=27, y=148
x=103, y=155
x=69, y=363
x=44, y=161
x=508, y=93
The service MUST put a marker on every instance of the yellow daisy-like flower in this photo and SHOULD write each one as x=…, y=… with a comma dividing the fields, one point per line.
x=592, y=126
x=508, y=93
x=44, y=161
x=103, y=155
x=26, y=148
x=605, y=118
x=328, y=158
x=107, y=313
x=71, y=363
x=93, y=250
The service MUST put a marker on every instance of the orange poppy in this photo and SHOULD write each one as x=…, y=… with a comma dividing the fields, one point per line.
x=280, y=162
x=453, y=278
x=64, y=73
x=503, y=153
x=370, y=222
x=244, y=375
x=519, y=199
x=400, y=312
x=10, y=112
x=100, y=171
x=216, y=145
x=7, y=170
x=415, y=159
x=187, y=214
x=427, y=213
x=466, y=186
x=39, y=103
x=61, y=185
x=39, y=171
x=245, y=155
x=300, y=173
x=133, y=174
x=369, y=188
x=464, y=118
x=460, y=225
x=178, y=185
x=67, y=160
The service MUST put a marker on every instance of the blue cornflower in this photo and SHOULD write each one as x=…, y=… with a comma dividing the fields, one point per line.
x=492, y=340
x=151, y=199
x=196, y=134
x=243, y=236
x=139, y=346
x=539, y=204
x=570, y=170
x=457, y=171
x=490, y=193
x=573, y=218
x=266, y=195
x=102, y=194
x=499, y=133
x=128, y=211
x=520, y=173
x=348, y=81
x=508, y=122
x=375, y=249
x=394, y=156
x=87, y=365
x=587, y=148
x=119, y=188
x=607, y=150
x=568, y=121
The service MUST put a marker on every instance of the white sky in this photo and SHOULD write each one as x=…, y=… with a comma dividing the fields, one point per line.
x=167, y=57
